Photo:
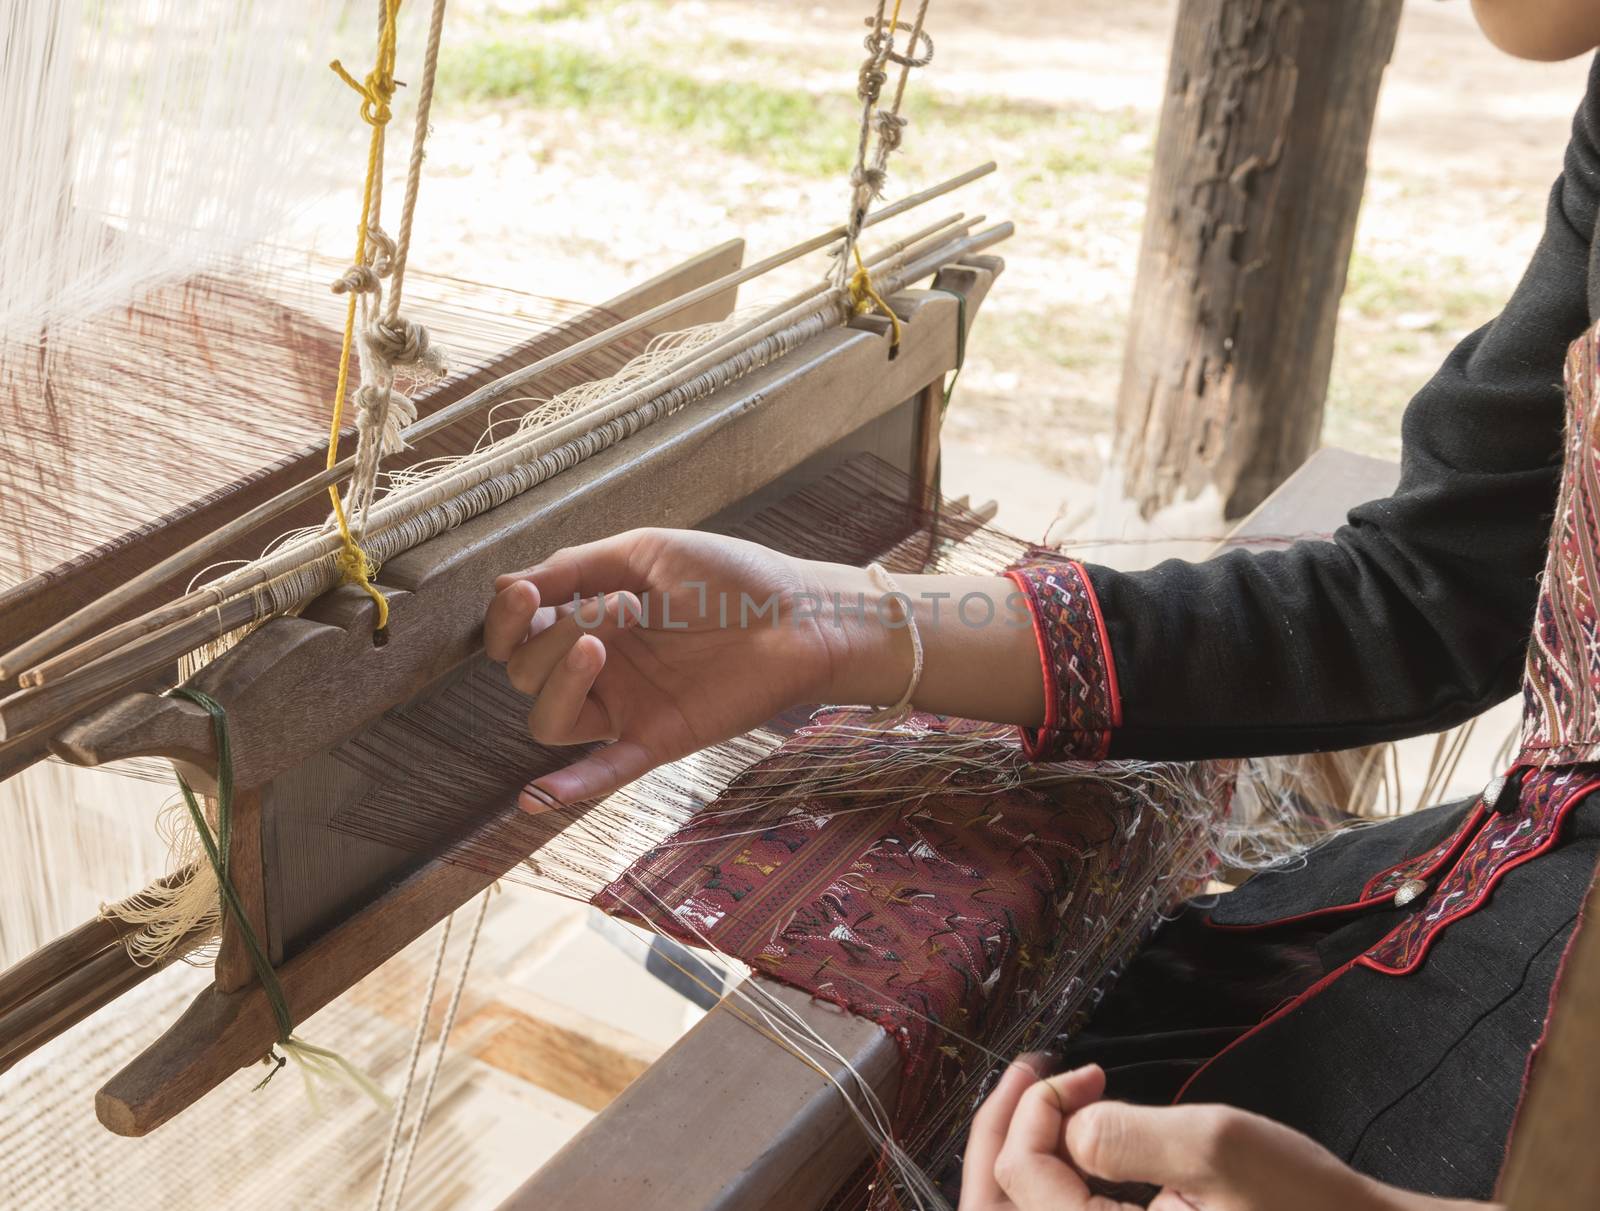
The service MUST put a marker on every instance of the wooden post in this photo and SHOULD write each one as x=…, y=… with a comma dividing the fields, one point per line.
x=1259, y=169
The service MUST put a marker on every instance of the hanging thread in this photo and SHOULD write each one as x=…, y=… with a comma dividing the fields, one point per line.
x=391, y=341
x=314, y=1061
x=881, y=130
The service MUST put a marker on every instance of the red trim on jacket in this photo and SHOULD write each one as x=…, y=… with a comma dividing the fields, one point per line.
x=1083, y=702
x=1478, y=884
x=1448, y=849
x=1281, y=1012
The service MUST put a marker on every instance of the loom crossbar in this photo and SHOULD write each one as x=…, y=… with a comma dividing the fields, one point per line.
x=298, y=686
x=27, y=608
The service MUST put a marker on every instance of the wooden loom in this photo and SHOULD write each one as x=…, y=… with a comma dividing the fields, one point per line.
x=333, y=908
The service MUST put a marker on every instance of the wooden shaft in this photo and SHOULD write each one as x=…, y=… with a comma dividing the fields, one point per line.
x=78, y=625
x=89, y=986
x=36, y=711
x=54, y=961
x=186, y=607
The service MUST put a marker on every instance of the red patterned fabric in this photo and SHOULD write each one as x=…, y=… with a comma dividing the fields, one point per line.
x=1423, y=866
x=981, y=901
x=1504, y=841
x=1082, y=705
x=1561, y=687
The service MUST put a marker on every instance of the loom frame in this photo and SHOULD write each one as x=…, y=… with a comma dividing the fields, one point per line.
x=681, y=471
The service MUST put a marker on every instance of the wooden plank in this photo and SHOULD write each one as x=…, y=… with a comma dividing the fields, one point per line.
x=676, y=473
x=234, y=968
x=558, y=1048
x=1313, y=502
x=764, y=1127
x=693, y=464
x=1553, y=1164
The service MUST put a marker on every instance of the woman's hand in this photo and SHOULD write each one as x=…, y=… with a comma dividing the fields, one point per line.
x=665, y=641
x=1033, y=1139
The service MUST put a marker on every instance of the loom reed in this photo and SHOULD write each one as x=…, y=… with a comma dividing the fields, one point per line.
x=35, y=710
x=26, y=656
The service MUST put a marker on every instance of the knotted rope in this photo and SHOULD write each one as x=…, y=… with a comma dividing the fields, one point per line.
x=392, y=341
x=882, y=131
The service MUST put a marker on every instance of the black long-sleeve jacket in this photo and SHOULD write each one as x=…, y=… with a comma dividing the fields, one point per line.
x=1413, y=617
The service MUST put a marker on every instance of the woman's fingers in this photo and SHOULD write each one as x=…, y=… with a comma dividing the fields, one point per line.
x=510, y=615
x=531, y=664
x=593, y=776
x=585, y=571
x=986, y=1136
x=564, y=713
x=1184, y=1147
x=1032, y=1166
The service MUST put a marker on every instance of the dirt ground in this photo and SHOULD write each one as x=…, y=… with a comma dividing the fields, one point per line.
x=581, y=145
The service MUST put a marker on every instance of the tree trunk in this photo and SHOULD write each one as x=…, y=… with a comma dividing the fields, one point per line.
x=1259, y=169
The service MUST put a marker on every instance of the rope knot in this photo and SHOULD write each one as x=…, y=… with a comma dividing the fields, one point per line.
x=399, y=342
x=355, y=565
x=871, y=81
x=870, y=178
x=358, y=279
x=384, y=407
x=376, y=91
x=864, y=297
x=891, y=128
x=380, y=250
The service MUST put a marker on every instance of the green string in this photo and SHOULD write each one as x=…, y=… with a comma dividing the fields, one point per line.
x=961, y=343
x=217, y=848
x=311, y=1059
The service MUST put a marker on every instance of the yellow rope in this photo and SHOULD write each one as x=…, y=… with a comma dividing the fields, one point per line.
x=864, y=297
x=376, y=91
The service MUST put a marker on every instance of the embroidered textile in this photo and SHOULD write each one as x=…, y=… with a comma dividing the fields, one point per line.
x=984, y=899
x=1080, y=681
x=1561, y=685
x=1422, y=866
x=1502, y=842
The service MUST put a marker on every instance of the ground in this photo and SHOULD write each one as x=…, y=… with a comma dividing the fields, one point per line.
x=580, y=145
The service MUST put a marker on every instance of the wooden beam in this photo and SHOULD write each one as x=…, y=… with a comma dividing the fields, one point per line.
x=234, y=968
x=686, y=468
x=784, y=1137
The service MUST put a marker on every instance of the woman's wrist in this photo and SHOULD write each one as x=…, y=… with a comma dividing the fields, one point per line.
x=980, y=657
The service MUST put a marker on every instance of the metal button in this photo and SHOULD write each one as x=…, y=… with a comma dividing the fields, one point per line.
x=1503, y=794
x=1409, y=891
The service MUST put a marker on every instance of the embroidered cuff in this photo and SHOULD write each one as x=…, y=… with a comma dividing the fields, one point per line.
x=1082, y=706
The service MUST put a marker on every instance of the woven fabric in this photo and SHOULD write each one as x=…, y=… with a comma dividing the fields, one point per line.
x=1503, y=842
x=971, y=907
x=1561, y=685
x=1080, y=682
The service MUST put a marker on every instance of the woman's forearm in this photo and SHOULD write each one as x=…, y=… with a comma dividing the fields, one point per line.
x=980, y=655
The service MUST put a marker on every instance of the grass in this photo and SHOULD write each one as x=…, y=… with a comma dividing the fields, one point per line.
x=791, y=129
x=1421, y=296
x=786, y=127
